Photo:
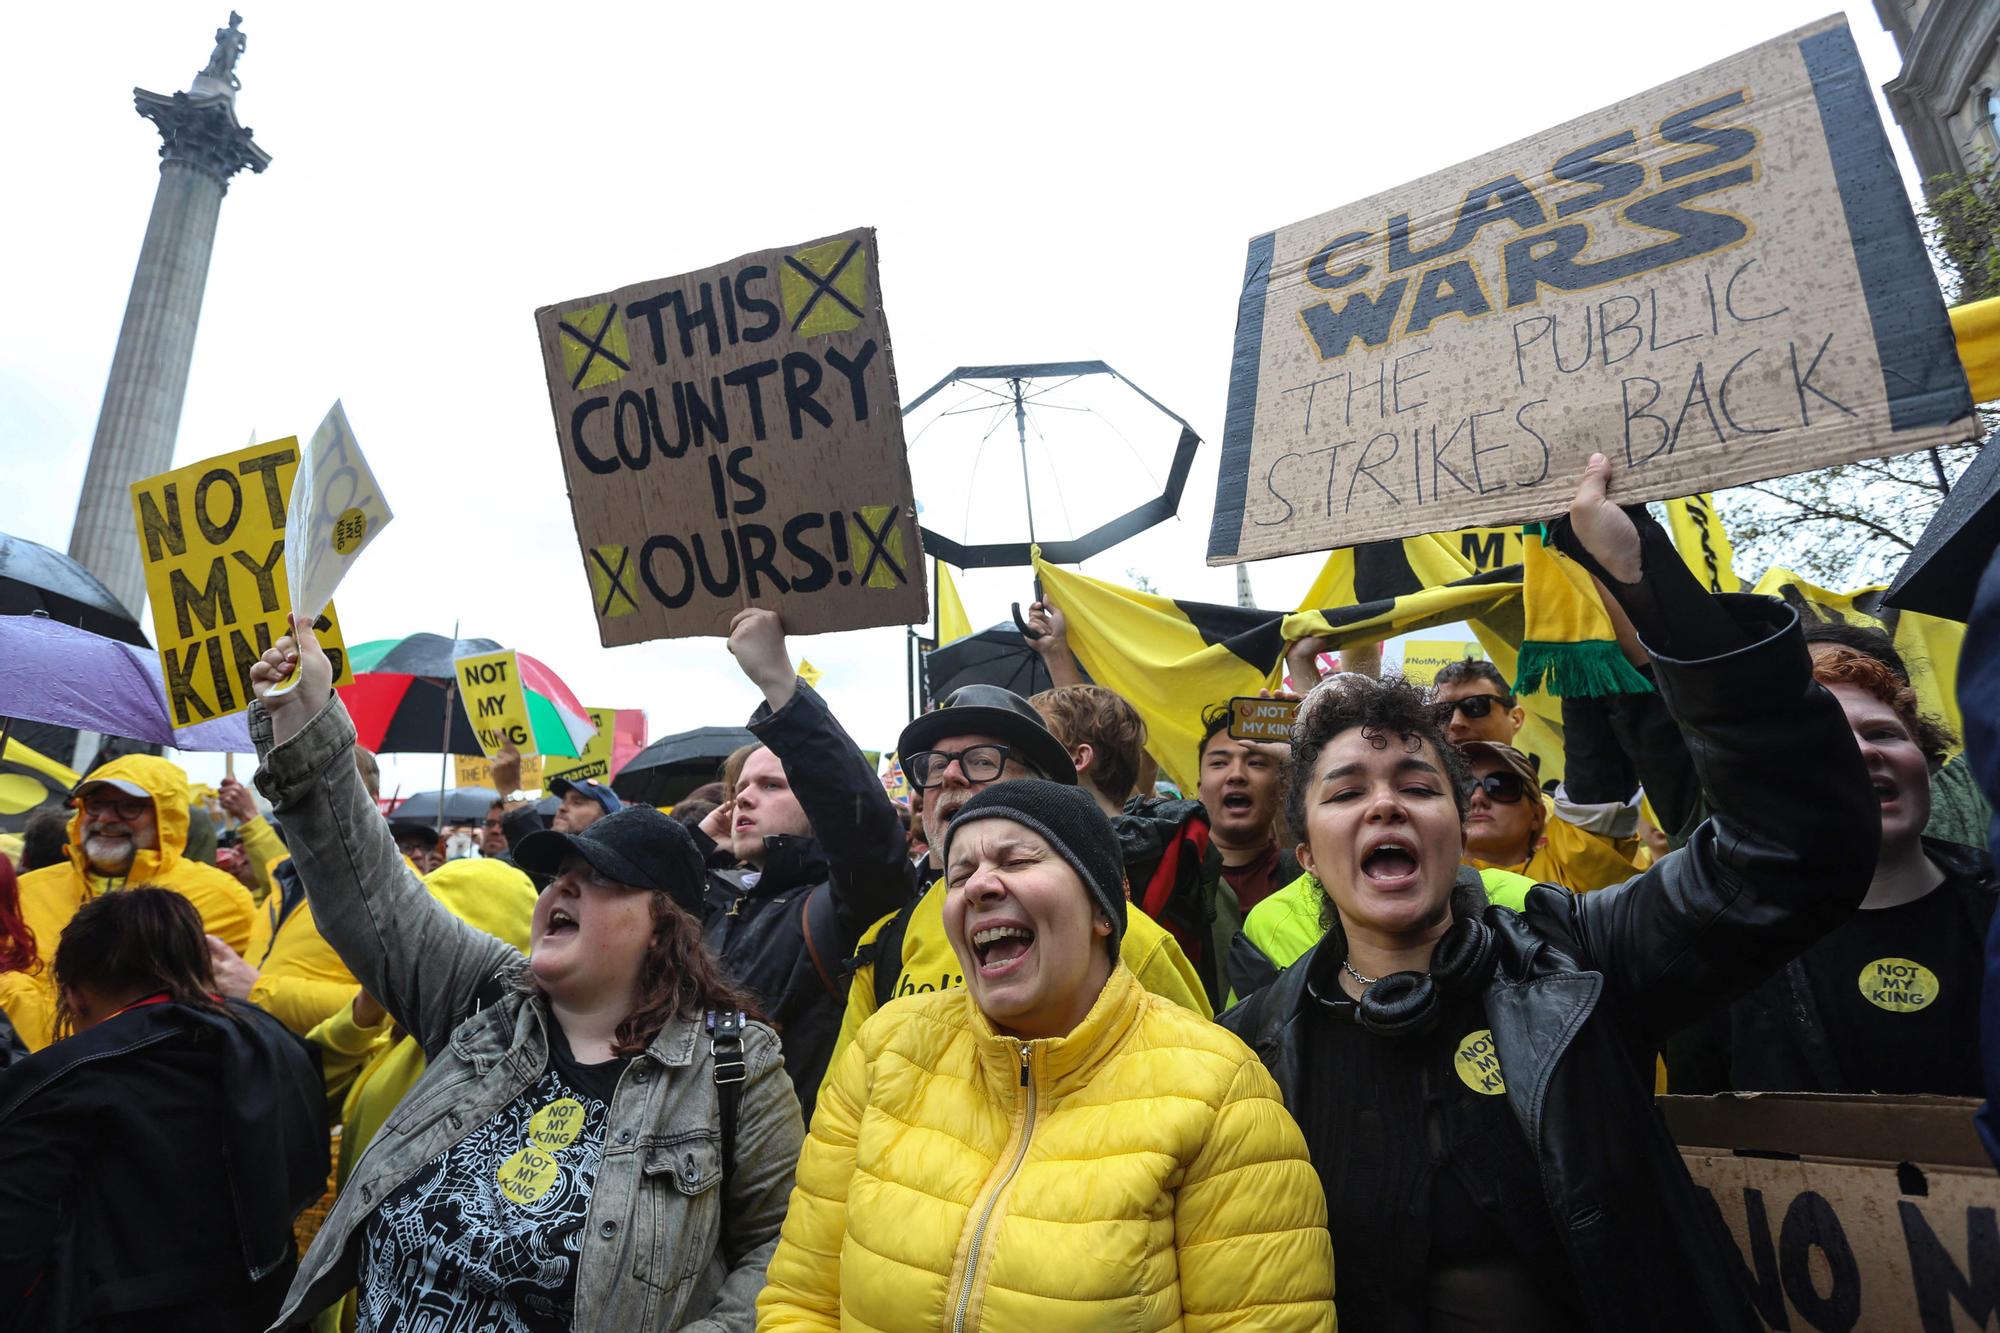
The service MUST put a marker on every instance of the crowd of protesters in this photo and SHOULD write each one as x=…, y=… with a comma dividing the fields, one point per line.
x=1366, y=1029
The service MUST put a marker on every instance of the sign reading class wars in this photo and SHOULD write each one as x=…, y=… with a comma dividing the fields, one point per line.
x=212, y=535
x=732, y=438
x=1715, y=282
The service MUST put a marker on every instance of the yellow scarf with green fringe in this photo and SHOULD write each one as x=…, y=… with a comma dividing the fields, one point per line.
x=1568, y=645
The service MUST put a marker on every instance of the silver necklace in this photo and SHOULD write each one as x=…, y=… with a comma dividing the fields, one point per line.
x=1366, y=981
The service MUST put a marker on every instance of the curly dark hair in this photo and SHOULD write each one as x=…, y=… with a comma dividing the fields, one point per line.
x=1382, y=708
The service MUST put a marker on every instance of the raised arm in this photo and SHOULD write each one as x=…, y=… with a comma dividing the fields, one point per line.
x=423, y=963
x=852, y=817
x=1791, y=845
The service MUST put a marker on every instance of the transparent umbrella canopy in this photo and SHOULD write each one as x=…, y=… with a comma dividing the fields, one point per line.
x=1069, y=455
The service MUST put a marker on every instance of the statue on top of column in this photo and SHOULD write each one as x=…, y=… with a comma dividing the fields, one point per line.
x=229, y=44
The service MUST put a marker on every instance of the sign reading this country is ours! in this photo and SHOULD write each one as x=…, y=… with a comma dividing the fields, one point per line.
x=1715, y=282
x=732, y=438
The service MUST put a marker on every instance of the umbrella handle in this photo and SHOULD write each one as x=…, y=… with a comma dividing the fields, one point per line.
x=1027, y=631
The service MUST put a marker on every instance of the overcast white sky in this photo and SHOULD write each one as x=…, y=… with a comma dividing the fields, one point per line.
x=1049, y=182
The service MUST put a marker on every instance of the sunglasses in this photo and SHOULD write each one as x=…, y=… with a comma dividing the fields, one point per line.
x=1474, y=706
x=1505, y=788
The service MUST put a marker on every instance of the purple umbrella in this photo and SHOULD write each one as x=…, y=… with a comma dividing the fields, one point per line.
x=72, y=678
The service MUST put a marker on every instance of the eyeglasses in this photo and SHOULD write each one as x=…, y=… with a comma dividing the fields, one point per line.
x=126, y=808
x=1505, y=788
x=1474, y=706
x=979, y=763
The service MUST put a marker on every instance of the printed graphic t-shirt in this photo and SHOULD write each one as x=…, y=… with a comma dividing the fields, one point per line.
x=1898, y=991
x=486, y=1235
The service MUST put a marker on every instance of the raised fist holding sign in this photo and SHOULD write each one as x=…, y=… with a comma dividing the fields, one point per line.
x=298, y=652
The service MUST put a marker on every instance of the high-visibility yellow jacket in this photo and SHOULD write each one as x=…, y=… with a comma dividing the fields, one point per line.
x=51, y=895
x=928, y=964
x=1139, y=1174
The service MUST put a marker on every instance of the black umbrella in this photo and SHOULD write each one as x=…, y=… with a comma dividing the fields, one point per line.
x=996, y=656
x=673, y=766
x=34, y=578
x=462, y=805
x=1941, y=575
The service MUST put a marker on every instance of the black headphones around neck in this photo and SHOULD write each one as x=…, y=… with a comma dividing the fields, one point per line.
x=1409, y=1004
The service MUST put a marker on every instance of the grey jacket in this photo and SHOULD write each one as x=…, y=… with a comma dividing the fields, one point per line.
x=660, y=1248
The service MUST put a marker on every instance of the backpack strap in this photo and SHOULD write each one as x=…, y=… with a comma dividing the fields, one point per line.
x=888, y=951
x=725, y=1049
x=826, y=977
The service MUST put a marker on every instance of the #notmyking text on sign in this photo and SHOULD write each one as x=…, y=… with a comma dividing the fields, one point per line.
x=1715, y=282
x=732, y=438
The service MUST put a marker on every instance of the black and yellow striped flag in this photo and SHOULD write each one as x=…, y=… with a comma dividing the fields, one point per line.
x=29, y=780
x=1173, y=659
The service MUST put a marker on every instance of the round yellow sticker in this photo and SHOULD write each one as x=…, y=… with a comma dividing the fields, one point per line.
x=1478, y=1063
x=556, y=1125
x=1898, y=985
x=527, y=1175
x=348, y=530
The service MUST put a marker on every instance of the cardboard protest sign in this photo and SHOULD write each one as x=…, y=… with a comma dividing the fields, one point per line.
x=212, y=535
x=594, y=764
x=1255, y=719
x=468, y=770
x=732, y=438
x=489, y=689
x=1851, y=1212
x=1714, y=282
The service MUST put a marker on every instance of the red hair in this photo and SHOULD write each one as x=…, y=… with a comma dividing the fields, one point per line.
x=1837, y=664
x=17, y=941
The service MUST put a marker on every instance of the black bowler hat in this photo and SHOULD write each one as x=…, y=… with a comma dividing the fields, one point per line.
x=637, y=846
x=988, y=710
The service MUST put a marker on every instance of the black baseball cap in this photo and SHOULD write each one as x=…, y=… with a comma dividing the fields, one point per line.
x=637, y=846
x=989, y=710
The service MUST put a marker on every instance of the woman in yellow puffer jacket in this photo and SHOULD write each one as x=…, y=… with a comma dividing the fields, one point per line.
x=1052, y=1147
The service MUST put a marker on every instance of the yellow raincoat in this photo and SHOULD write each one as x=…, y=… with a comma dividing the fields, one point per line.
x=51, y=895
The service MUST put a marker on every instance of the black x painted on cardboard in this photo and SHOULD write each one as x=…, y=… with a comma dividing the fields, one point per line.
x=878, y=550
x=823, y=286
x=593, y=347
x=615, y=578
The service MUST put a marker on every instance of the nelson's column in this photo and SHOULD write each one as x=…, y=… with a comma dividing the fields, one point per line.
x=202, y=146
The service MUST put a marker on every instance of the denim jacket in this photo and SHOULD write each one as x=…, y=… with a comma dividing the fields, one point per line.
x=660, y=1248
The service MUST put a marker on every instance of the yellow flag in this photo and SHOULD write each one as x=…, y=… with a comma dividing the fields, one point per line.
x=1703, y=545
x=1173, y=660
x=29, y=780
x=953, y=624
x=1928, y=645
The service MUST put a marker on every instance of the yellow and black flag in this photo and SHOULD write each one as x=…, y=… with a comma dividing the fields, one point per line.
x=1928, y=645
x=1174, y=659
x=29, y=780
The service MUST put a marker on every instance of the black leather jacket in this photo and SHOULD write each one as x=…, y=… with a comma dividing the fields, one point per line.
x=1586, y=987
